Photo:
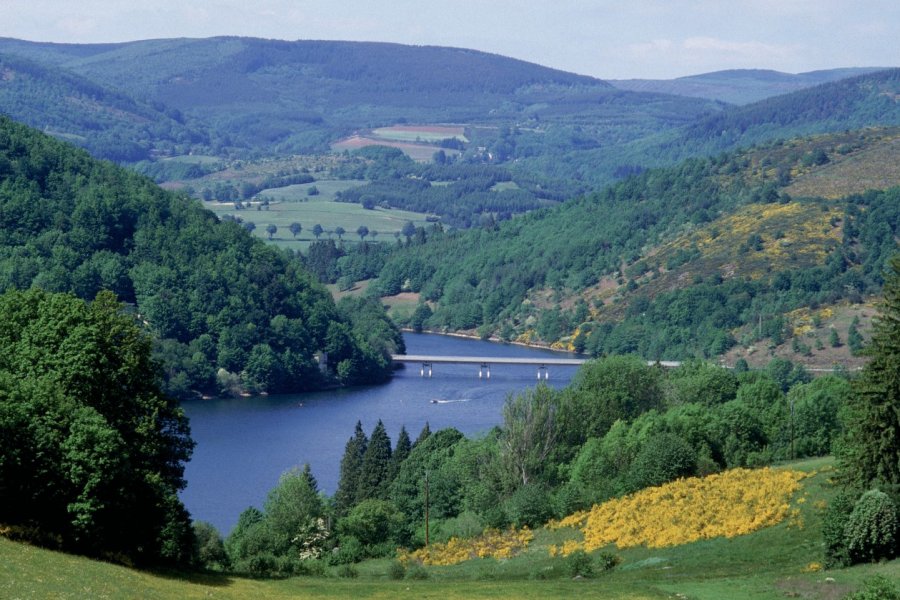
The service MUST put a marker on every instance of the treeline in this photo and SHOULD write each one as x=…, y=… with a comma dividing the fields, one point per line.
x=108, y=123
x=620, y=426
x=462, y=193
x=229, y=313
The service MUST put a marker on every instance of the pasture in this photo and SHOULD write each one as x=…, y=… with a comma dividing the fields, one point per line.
x=781, y=561
x=294, y=204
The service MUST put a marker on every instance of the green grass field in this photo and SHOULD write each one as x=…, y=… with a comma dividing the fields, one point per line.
x=771, y=563
x=293, y=204
x=425, y=133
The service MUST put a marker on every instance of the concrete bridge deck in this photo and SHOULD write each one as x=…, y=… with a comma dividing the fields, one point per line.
x=485, y=362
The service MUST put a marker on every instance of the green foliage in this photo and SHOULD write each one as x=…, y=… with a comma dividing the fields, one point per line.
x=834, y=524
x=580, y=564
x=210, y=549
x=873, y=528
x=529, y=506
x=374, y=523
x=213, y=295
x=530, y=432
x=878, y=587
x=88, y=438
x=618, y=387
x=870, y=453
x=347, y=493
x=396, y=570
x=662, y=459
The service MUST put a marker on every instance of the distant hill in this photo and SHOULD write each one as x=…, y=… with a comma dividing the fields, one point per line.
x=739, y=86
x=272, y=96
x=109, y=123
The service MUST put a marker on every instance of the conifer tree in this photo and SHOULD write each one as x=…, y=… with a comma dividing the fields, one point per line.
x=351, y=467
x=401, y=451
x=871, y=453
x=423, y=435
x=376, y=464
x=310, y=478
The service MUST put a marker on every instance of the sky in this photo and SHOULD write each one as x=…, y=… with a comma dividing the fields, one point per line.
x=609, y=39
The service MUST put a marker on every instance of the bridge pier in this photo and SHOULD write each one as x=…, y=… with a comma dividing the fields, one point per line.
x=426, y=368
x=484, y=370
x=543, y=370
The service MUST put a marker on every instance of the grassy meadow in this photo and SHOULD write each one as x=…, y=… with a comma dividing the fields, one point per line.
x=294, y=204
x=783, y=560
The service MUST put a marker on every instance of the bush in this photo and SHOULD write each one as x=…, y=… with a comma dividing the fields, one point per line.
x=579, y=564
x=607, y=560
x=877, y=588
x=871, y=530
x=663, y=458
x=416, y=571
x=347, y=571
x=351, y=550
x=396, y=570
x=529, y=505
x=833, y=524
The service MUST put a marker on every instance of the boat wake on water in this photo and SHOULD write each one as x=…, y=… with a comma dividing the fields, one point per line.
x=439, y=401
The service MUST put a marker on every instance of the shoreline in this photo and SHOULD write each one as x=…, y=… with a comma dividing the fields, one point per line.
x=492, y=339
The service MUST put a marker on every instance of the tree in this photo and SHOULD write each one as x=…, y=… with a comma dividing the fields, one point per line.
x=271, y=230
x=529, y=433
x=351, y=470
x=373, y=233
x=871, y=449
x=290, y=508
x=249, y=226
x=339, y=231
x=87, y=438
x=408, y=230
x=362, y=231
x=401, y=451
x=376, y=464
x=295, y=228
x=312, y=191
x=317, y=230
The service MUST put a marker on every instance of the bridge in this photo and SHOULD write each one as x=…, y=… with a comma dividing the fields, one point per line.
x=484, y=363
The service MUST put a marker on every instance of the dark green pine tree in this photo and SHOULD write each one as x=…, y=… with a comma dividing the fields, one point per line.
x=401, y=451
x=375, y=476
x=310, y=478
x=423, y=435
x=871, y=452
x=351, y=467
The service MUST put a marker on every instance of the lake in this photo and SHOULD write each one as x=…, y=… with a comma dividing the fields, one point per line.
x=244, y=444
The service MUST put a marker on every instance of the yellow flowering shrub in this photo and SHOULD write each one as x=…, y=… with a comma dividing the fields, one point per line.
x=493, y=543
x=728, y=504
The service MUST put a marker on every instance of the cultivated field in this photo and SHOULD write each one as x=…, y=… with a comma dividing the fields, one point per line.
x=416, y=141
x=293, y=204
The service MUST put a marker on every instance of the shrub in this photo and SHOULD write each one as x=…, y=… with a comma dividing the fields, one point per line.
x=871, y=530
x=877, y=588
x=416, y=571
x=607, y=560
x=663, y=458
x=833, y=524
x=529, y=506
x=347, y=571
x=396, y=570
x=351, y=550
x=579, y=564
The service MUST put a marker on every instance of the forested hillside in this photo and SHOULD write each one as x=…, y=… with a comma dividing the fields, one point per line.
x=228, y=312
x=669, y=264
x=262, y=96
x=739, y=86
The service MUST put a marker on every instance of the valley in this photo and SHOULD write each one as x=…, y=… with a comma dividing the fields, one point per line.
x=211, y=248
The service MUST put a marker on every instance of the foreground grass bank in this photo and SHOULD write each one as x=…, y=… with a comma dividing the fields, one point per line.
x=777, y=562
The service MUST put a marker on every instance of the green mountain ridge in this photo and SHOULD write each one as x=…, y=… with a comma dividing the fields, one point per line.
x=740, y=86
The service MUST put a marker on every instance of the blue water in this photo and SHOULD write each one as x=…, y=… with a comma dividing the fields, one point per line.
x=244, y=444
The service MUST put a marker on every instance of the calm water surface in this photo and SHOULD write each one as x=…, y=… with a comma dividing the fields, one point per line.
x=244, y=444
